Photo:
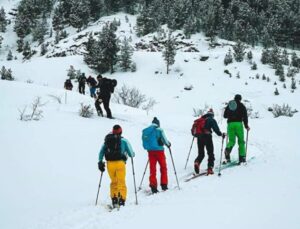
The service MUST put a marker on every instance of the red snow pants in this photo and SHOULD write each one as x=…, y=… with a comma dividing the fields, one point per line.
x=154, y=157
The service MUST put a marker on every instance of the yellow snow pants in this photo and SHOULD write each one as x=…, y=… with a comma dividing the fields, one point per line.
x=117, y=174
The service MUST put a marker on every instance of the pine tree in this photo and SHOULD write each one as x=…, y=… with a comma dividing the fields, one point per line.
x=285, y=57
x=293, y=84
x=276, y=92
x=20, y=45
x=145, y=23
x=295, y=60
x=3, y=73
x=27, y=51
x=126, y=55
x=254, y=66
x=79, y=13
x=169, y=52
x=1, y=39
x=228, y=58
x=8, y=75
x=9, y=55
x=264, y=77
x=71, y=72
x=239, y=51
x=58, y=18
x=249, y=56
x=109, y=46
x=96, y=7
x=44, y=49
x=280, y=72
x=39, y=32
x=3, y=20
x=265, y=56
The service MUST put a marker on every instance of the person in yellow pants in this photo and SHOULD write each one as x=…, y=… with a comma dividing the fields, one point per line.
x=116, y=149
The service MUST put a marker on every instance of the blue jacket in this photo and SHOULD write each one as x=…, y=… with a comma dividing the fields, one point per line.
x=126, y=149
x=161, y=138
x=211, y=124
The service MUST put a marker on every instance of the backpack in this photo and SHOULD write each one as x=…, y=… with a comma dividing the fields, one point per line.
x=149, y=138
x=109, y=85
x=232, y=105
x=198, y=127
x=112, y=144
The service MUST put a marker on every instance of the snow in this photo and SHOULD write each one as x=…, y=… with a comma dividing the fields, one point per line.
x=48, y=168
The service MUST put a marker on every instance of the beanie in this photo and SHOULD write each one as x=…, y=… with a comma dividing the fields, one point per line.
x=238, y=97
x=156, y=121
x=117, y=129
x=211, y=111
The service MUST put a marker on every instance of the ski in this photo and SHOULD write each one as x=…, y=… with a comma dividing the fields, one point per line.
x=111, y=208
x=195, y=176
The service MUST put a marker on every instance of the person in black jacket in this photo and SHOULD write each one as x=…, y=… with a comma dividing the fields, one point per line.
x=236, y=114
x=106, y=87
x=204, y=139
x=81, y=83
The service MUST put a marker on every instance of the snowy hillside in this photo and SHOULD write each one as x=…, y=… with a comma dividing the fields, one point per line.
x=48, y=168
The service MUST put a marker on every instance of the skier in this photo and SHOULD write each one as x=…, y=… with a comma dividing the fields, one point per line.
x=154, y=140
x=202, y=129
x=236, y=115
x=116, y=149
x=68, y=85
x=81, y=83
x=106, y=87
x=92, y=85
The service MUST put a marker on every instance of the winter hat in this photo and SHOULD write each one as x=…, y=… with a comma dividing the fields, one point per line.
x=238, y=97
x=117, y=129
x=156, y=121
x=211, y=111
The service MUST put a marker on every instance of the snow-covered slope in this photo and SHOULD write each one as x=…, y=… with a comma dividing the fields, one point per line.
x=48, y=168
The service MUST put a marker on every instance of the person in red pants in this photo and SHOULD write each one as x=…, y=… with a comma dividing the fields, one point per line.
x=154, y=140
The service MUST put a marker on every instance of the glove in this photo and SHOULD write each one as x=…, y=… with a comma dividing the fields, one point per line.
x=223, y=135
x=247, y=128
x=101, y=166
x=169, y=146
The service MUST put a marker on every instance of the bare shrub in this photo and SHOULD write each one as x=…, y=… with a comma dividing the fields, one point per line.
x=35, y=113
x=149, y=105
x=200, y=111
x=250, y=111
x=129, y=96
x=56, y=98
x=86, y=111
x=284, y=110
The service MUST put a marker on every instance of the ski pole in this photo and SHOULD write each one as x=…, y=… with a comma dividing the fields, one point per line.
x=189, y=153
x=140, y=187
x=99, y=188
x=219, y=174
x=247, y=141
x=174, y=167
x=136, y=200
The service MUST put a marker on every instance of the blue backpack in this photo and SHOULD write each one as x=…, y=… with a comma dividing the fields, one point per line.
x=149, y=138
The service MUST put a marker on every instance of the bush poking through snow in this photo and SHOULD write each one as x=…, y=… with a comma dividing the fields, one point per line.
x=86, y=111
x=130, y=96
x=149, y=105
x=200, y=111
x=284, y=110
x=56, y=98
x=35, y=113
x=188, y=87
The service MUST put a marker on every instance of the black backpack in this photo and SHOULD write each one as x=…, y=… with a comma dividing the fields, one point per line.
x=108, y=85
x=112, y=144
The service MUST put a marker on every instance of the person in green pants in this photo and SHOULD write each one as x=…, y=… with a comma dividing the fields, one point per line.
x=236, y=115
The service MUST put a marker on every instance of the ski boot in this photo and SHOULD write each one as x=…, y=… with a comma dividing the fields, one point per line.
x=197, y=167
x=210, y=171
x=153, y=189
x=115, y=202
x=121, y=202
x=227, y=156
x=242, y=160
x=164, y=187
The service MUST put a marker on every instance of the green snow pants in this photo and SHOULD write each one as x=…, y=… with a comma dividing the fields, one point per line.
x=236, y=129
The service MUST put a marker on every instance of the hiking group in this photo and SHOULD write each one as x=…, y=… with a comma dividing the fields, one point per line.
x=100, y=89
x=116, y=149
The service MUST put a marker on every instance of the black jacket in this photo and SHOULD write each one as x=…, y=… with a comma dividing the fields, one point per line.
x=239, y=115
